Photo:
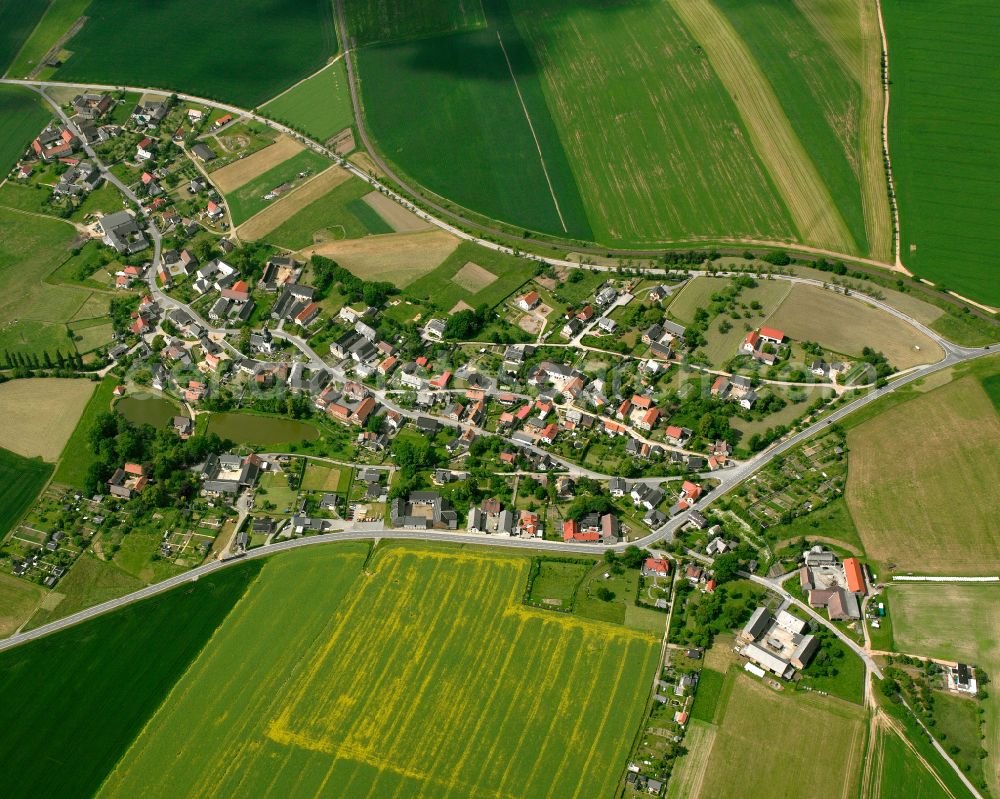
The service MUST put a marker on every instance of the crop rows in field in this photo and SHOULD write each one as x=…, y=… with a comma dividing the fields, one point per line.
x=17, y=20
x=943, y=116
x=22, y=116
x=397, y=681
x=371, y=21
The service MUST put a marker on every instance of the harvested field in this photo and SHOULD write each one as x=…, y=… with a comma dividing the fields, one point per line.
x=40, y=414
x=689, y=773
x=907, y=465
x=231, y=177
x=955, y=622
x=473, y=278
x=400, y=258
x=18, y=600
x=847, y=326
x=279, y=212
x=266, y=698
x=395, y=216
x=780, y=730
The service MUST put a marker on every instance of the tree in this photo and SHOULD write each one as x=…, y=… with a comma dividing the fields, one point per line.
x=726, y=567
x=604, y=594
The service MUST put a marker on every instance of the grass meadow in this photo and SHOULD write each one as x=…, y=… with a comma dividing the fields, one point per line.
x=76, y=699
x=22, y=117
x=18, y=600
x=898, y=773
x=76, y=456
x=379, y=681
x=56, y=20
x=944, y=109
x=439, y=288
x=248, y=199
x=781, y=732
x=21, y=480
x=17, y=21
x=371, y=21
x=236, y=50
x=320, y=105
x=922, y=482
x=447, y=112
x=955, y=622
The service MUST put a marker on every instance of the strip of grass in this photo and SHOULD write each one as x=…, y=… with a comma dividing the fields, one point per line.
x=833, y=520
x=991, y=385
x=77, y=456
x=707, y=695
x=17, y=21
x=369, y=217
x=475, y=146
x=22, y=116
x=248, y=199
x=942, y=133
x=320, y=105
x=75, y=700
x=21, y=480
x=57, y=20
x=244, y=51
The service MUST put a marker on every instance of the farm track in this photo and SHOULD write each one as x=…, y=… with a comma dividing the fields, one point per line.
x=806, y=195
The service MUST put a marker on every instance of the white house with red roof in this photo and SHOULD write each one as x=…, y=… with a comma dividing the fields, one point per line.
x=529, y=301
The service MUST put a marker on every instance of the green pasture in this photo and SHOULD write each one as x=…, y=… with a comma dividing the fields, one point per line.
x=22, y=117
x=77, y=457
x=248, y=199
x=370, y=21
x=21, y=480
x=320, y=105
x=18, y=19
x=56, y=20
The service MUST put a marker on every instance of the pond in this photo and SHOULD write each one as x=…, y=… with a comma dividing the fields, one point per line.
x=260, y=431
x=148, y=409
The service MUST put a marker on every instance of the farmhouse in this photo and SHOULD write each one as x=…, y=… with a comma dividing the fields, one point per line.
x=292, y=302
x=91, y=105
x=777, y=644
x=423, y=510
x=203, y=152
x=121, y=231
x=130, y=479
x=529, y=301
x=228, y=474
x=54, y=143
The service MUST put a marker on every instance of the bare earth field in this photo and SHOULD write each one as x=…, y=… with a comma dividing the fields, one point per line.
x=400, y=258
x=394, y=215
x=231, y=177
x=473, y=278
x=847, y=326
x=461, y=305
x=288, y=206
x=924, y=623
x=922, y=482
x=39, y=414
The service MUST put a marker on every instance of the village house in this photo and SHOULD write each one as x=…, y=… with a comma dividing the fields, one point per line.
x=423, y=510
x=127, y=481
x=121, y=231
x=228, y=474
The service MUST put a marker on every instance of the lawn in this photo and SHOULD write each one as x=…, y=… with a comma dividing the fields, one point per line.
x=849, y=681
x=440, y=289
x=17, y=21
x=780, y=731
x=320, y=476
x=846, y=326
x=56, y=21
x=18, y=600
x=248, y=199
x=452, y=113
x=270, y=698
x=320, y=105
x=370, y=21
x=41, y=413
x=833, y=521
x=76, y=455
x=945, y=106
x=335, y=215
x=76, y=699
x=955, y=622
x=21, y=481
x=556, y=582
x=22, y=117
x=235, y=50
x=906, y=465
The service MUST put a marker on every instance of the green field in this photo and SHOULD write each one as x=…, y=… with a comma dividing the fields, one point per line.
x=443, y=293
x=372, y=21
x=374, y=683
x=556, y=582
x=21, y=480
x=18, y=19
x=780, y=730
x=22, y=117
x=77, y=457
x=708, y=694
x=906, y=465
x=56, y=21
x=236, y=50
x=76, y=699
x=955, y=622
x=339, y=214
x=248, y=199
x=320, y=105
x=945, y=105
x=446, y=111
x=900, y=774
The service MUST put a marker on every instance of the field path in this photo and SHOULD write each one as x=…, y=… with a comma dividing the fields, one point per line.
x=795, y=176
x=531, y=127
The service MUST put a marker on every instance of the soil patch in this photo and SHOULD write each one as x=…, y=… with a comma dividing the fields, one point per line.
x=473, y=278
x=394, y=215
x=231, y=177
